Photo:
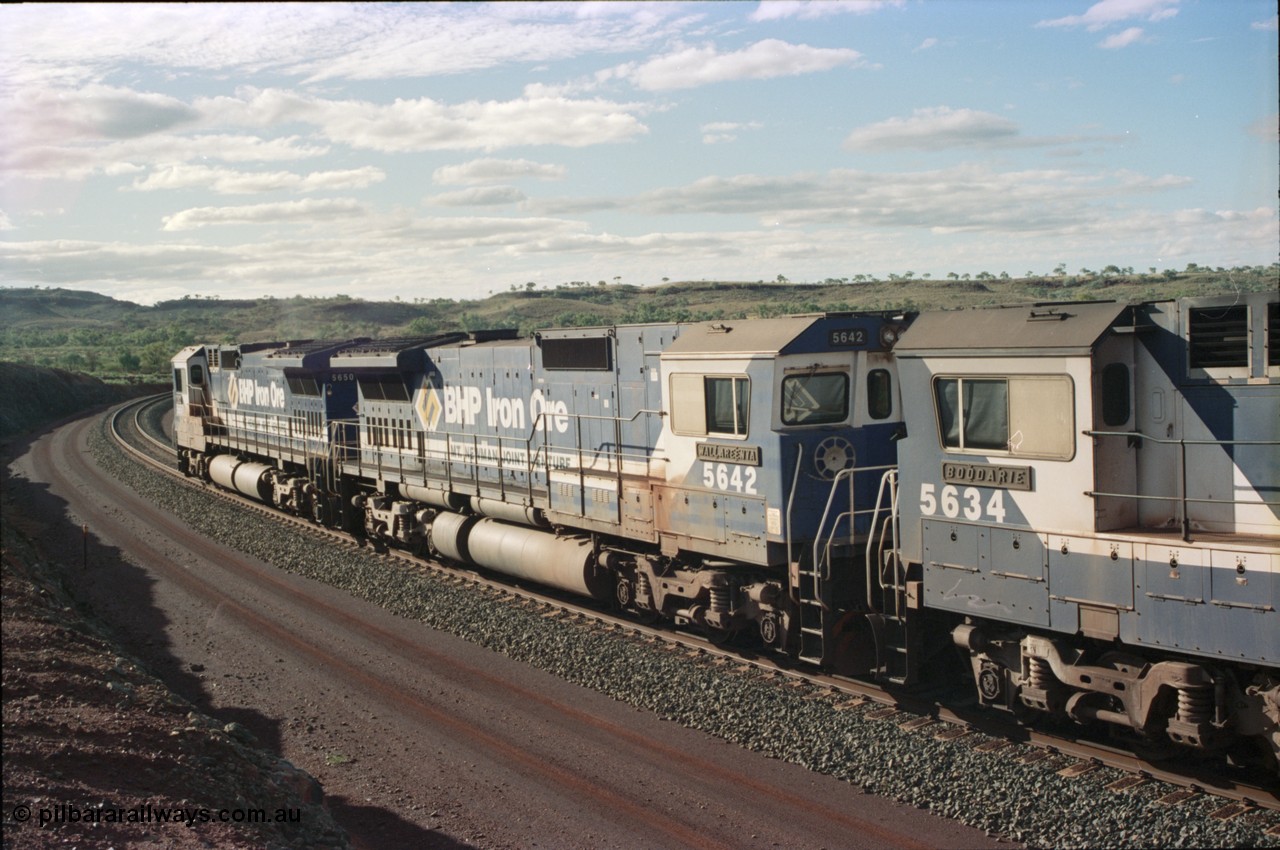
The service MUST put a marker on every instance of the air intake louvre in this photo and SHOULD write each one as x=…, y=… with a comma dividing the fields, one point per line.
x=593, y=353
x=1219, y=337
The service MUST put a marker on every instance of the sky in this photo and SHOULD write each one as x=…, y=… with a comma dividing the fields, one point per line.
x=419, y=151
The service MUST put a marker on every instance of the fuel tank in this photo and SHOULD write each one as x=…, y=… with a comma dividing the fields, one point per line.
x=566, y=563
x=247, y=477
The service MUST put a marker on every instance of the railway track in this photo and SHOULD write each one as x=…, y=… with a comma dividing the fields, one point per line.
x=132, y=426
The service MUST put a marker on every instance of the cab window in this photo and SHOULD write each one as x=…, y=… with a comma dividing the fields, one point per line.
x=815, y=399
x=703, y=405
x=1024, y=416
x=727, y=406
x=879, y=393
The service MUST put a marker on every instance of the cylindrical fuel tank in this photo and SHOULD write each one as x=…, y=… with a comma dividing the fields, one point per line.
x=560, y=562
x=507, y=511
x=435, y=498
x=251, y=479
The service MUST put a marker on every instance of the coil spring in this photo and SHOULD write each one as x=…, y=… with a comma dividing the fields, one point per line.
x=719, y=598
x=1195, y=705
x=1038, y=673
x=642, y=594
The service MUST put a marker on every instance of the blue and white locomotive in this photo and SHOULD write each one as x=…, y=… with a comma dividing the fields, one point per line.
x=1093, y=489
x=1081, y=497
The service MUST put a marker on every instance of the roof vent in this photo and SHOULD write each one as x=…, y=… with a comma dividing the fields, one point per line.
x=1050, y=315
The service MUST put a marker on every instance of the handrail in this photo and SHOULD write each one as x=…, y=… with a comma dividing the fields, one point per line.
x=473, y=450
x=849, y=473
x=889, y=479
x=791, y=497
x=1182, y=498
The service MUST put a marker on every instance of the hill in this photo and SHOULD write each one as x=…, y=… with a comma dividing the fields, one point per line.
x=89, y=332
x=35, y=395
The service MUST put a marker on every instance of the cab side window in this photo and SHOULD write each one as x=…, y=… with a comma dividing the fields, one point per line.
x=710, y=405
x=1024, y=416
x=879, y=393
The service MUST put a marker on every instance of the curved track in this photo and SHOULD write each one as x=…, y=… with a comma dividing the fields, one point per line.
x=426, y=740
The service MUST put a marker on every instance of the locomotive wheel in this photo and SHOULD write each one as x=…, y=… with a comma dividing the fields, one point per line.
x=320, y=510
x=623, y=595
x=624, y=598
x=717, y=635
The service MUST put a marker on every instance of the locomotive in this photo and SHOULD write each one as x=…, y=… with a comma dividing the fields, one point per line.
x=1079, y=500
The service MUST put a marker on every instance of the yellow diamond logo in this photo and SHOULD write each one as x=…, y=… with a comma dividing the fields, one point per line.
x=429, y=408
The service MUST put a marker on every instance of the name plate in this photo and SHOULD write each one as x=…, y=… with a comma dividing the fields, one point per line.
x=748, y=455
x=986, y=475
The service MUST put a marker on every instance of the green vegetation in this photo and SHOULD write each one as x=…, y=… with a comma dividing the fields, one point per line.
x=119, y=341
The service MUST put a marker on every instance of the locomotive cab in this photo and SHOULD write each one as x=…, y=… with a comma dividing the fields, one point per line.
x=777, y=434
x=191, y=399
x=1095, y=506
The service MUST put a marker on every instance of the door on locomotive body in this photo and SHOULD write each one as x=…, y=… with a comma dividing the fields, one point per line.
x=1115, y=458
x=835, y=412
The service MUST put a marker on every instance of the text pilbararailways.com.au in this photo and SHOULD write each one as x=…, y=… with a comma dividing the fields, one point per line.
x=65, y=813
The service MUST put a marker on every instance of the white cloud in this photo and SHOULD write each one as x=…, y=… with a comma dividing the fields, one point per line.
x=1270, y=25
x=5, y=223
x=698, y=66
x=1108, y=12
x=935, y=128
x=74, y=159
x=70, y=44
x=91, y=113
x=483, y=196
x=1122, y=39
x=1266, y=128
x=489, y=170
x=772, y=10
x=292, y=212
x=717, y=132
x=425, y=124
x=963, y=198
x=926, y=44
x=226, y=181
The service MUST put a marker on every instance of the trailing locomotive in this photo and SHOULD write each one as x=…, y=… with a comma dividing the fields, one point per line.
x=1080, y=499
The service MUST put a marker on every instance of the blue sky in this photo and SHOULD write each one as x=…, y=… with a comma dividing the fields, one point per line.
x=431, y=150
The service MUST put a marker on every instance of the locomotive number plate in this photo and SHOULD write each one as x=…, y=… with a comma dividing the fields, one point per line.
x=847, y=338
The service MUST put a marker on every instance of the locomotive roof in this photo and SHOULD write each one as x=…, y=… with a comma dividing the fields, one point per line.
x=402, y=353
x=757, y=336
x=308, y=353
x=799, y=334
x=1063, y=328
